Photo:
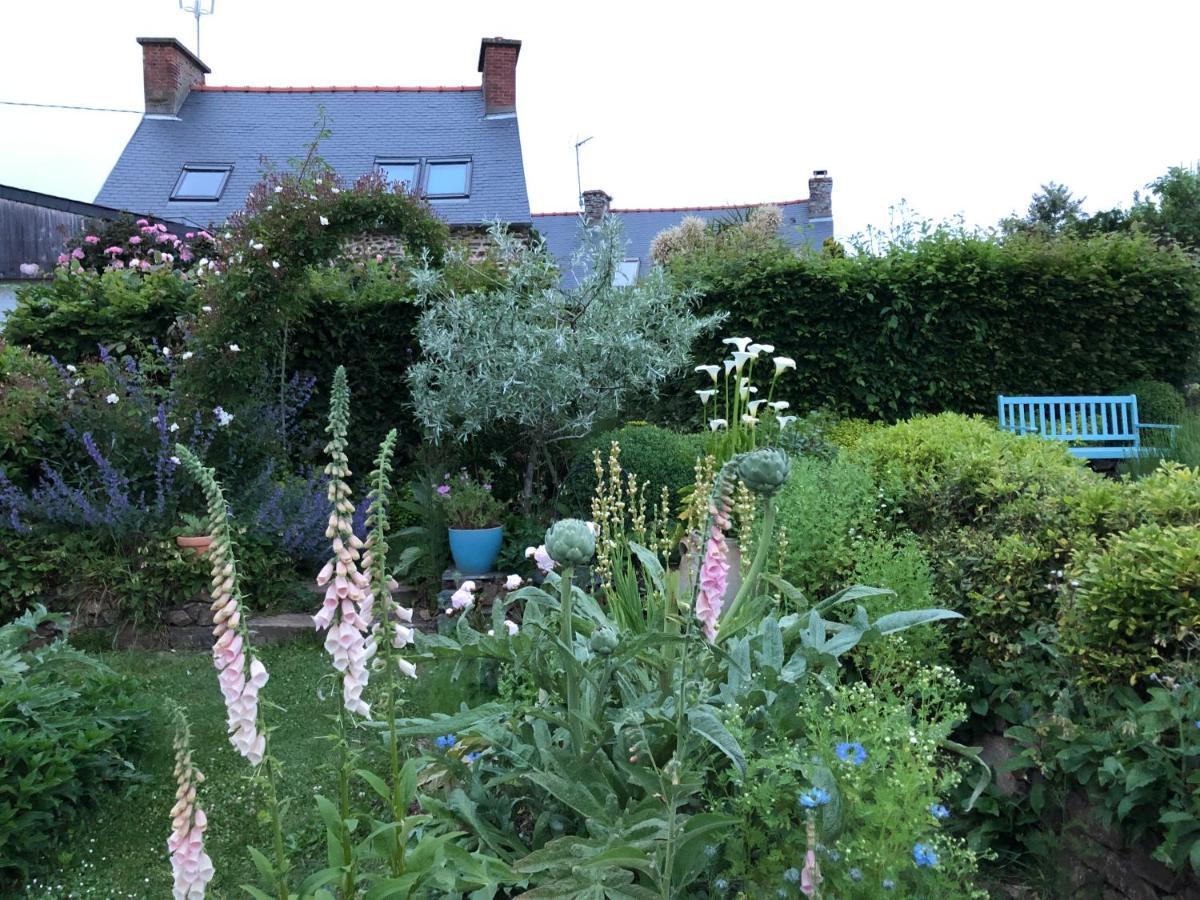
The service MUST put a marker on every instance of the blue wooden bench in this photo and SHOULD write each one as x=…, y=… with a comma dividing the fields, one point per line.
x=1097, y=427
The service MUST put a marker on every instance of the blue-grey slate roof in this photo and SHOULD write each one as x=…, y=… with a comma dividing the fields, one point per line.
x=240, y=127
x=561, y=230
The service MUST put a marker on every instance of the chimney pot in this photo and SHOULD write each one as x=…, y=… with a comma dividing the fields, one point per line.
x=498, y=63
x=595, y=206
x=169, y=70
x=820, y=195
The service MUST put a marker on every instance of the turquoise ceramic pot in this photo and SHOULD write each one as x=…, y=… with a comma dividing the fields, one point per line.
x=475, y=549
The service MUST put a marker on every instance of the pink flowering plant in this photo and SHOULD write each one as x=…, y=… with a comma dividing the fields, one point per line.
x=468, y=502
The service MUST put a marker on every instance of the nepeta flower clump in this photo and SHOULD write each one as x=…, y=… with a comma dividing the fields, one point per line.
x=347, y=609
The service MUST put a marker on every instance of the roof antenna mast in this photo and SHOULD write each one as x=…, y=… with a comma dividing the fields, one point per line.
x=198, y=8
x=578, y=179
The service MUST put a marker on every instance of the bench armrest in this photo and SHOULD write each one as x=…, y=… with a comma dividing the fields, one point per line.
x=1160, y=427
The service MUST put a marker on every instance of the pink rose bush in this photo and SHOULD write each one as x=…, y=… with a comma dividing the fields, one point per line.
x=346, y=611
x=190, y=865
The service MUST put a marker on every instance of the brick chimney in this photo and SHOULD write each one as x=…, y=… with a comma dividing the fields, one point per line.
x=169, y=70
x=820, y=195
x=498, y=63
x=595, y=206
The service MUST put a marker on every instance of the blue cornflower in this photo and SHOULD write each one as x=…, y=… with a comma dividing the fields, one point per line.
x=851, y=752
x=814, y=798
x=924, y=856
x=710, y=850
x=939, y=812
x=1198, y=723
x=834, y=855
x=445, y=741
x=471, y=757
x=792, y=875
x=888, y=884
x=855, y=874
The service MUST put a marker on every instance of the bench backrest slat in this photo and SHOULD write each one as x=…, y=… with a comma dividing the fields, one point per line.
x=1081, y=418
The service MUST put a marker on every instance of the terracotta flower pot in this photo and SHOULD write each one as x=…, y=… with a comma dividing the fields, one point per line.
x=198, y=544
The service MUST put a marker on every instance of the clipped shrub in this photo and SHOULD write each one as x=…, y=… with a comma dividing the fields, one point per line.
x=824, y=510
x=943, y=322
x=1170, y=495
x=1135, y=601
x=1158, y=401
x=900, y=565
x=69, y=723
x=992, y=512
x=660, y=456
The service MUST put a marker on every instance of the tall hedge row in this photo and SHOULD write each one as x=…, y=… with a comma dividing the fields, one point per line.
x=950, y=321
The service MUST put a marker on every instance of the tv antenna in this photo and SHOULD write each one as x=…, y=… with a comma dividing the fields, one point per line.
x=198, y=8
x=578, y=178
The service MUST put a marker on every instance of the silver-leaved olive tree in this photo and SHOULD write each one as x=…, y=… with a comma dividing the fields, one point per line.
x=544, y=360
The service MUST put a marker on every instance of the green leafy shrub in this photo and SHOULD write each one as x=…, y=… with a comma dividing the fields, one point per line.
x=1135, y=601
x=662, y=457
x=992, y=512
x=942, y=322
x=1170, y=495
x=69, y=723
x=71, y=315
x=1157, y=401
x=825, y=509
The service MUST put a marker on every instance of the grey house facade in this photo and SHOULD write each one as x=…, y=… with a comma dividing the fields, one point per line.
x=807, y=221
x=200, y=148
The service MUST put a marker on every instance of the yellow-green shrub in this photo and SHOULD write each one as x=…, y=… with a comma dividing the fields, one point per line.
x=1134, y=601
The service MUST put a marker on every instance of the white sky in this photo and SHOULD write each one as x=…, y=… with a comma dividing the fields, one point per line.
x=959, y=107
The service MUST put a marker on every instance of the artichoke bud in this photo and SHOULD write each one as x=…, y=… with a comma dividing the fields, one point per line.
x=764, y=471
x=603, y=641
x=570, y=542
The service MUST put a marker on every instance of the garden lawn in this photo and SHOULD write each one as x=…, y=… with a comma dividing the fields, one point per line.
x=120, y=848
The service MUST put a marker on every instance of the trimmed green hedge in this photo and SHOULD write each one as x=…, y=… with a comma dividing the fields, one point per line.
x=950, y=321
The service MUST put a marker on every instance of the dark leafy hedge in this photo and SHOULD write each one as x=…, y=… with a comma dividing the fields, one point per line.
x=950, y=321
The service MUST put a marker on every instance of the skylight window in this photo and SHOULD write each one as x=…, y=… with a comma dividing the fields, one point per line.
x=445, y=178
x=399, y=171
x=626, y=273
x=201, y=182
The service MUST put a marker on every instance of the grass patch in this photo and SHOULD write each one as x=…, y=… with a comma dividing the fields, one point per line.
x=120, y=850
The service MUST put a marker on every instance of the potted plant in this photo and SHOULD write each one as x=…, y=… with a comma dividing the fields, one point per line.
x=473, y=519
x=192, y=535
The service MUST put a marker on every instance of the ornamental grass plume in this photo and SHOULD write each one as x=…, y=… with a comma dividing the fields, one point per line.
x=240, y=683
x=190, y=865
x=347, y=608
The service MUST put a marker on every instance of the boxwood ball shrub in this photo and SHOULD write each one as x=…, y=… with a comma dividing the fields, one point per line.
x=660, y=456
x=1157, y=401
x=1133, y=602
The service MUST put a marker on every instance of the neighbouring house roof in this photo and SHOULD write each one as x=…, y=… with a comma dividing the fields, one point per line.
x=243, y=125
x=561, y=229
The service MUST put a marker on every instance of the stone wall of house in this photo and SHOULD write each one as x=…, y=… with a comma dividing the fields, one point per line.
x=370, y=246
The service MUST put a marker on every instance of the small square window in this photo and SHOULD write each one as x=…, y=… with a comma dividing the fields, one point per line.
x=399, y=171
x=447, y=178
x=626, y=273
x=200, y=182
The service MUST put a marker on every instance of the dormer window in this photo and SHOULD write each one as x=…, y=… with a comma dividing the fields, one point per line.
x=399, y=171
x=201, y=182
x=447, y=178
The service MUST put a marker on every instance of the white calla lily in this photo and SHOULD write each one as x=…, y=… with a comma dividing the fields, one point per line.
x=750, y=420
x=753, y=406
x=729, y=364
x=782, y=363
x=711, y=370
x=740, y=358
x=757, y=349
x=717, y=424
x=740, y=343
x=780, y=405
x=785, y=421
x=705, y=396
